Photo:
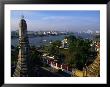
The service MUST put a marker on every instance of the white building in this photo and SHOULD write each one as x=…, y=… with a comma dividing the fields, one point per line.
x=64, y=43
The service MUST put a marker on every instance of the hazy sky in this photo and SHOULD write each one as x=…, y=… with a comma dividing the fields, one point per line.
x=64, y=20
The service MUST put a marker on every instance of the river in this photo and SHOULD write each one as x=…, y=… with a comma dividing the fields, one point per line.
x=38, y=41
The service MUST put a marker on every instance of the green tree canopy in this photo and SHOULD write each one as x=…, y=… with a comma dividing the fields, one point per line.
x=80, y=50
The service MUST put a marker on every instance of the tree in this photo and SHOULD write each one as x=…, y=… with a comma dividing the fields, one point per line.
x=53, y=50
x=57, y=43
x=79, y=50
x=35, y=56
x=14, y=54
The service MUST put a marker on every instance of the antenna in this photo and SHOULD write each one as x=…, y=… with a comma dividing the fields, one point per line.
x=22, y=16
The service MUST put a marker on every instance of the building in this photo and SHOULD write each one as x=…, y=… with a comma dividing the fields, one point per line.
x=64, y=44
x=22, y=67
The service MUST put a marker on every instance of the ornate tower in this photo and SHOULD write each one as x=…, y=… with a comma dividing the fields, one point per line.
x=22, y=67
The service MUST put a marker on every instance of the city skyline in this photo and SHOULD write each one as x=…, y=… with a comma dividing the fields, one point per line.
x=58, y=20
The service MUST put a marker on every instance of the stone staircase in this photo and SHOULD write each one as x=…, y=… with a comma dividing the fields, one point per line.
x=93, y=70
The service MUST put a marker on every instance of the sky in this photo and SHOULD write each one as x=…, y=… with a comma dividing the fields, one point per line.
x=58, y=20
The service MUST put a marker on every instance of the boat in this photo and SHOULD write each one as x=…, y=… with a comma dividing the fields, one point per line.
x=45, y=40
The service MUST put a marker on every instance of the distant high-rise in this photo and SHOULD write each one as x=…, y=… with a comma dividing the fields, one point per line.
x=22, y=67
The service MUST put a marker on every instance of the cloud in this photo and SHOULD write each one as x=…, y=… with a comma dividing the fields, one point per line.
x=57, y=17
x=43, y=21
